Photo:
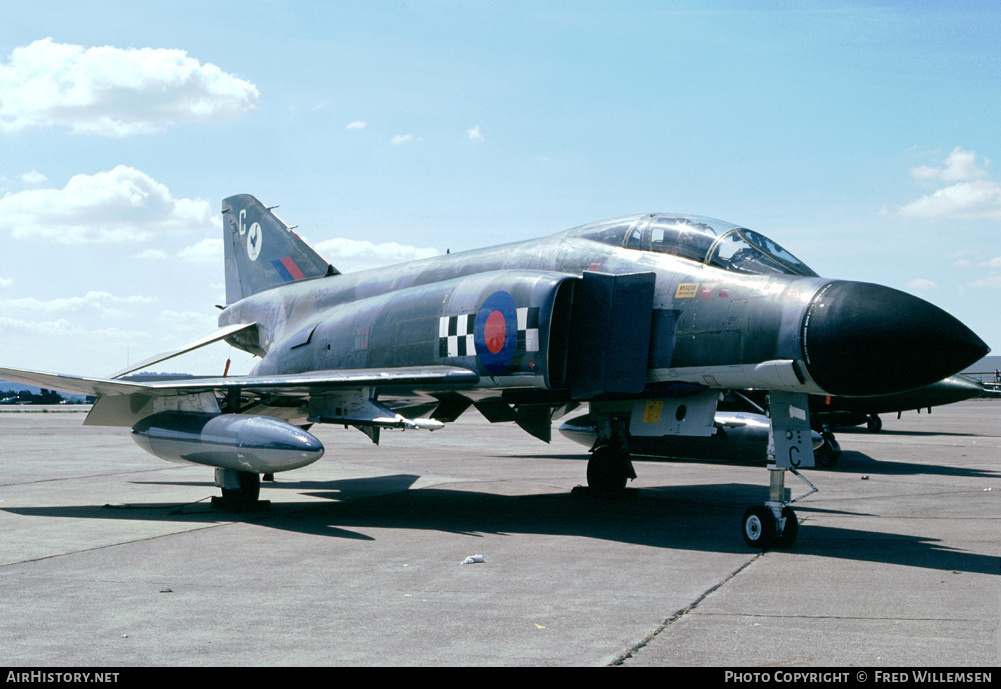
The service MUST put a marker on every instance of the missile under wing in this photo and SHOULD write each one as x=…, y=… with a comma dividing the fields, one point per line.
x=646, y=318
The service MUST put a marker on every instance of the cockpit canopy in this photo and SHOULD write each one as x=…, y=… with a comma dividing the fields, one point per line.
x=706, y=240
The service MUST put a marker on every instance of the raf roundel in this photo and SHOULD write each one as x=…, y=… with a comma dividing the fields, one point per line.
x=496, y=332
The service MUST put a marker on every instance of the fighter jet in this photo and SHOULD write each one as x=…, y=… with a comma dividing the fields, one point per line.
x=647, y=318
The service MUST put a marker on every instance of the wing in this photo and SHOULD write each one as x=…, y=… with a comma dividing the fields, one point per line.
x=341, y=396
x=76, y=385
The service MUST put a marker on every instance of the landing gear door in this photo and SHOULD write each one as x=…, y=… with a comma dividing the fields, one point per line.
x=609, y=344
x=790, y=434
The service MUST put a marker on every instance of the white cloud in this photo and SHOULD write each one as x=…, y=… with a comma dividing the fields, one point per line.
x=100, y=303
x=62, y=328
x=401, y=139
x=6, y=282
x=120, y=205
x=921, y=285
x=993, y=263
x=990, y=282
x=474, y=133
x=152, y=255
x=109, y=91
x=205, y=251
x=966, y=200
x=188, y=320
x=971, y=197
x=349, y=255
x=34, y=178
x=960, y=165
x=357, y=124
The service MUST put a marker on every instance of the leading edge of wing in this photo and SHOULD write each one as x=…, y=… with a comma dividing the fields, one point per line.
x=406, y=377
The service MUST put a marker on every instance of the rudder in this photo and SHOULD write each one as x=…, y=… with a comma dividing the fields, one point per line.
x=262, y=252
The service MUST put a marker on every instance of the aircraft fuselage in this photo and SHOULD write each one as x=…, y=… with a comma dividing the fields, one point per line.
x=539, y=314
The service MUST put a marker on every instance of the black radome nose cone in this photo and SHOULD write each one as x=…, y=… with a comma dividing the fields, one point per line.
x=864, y=339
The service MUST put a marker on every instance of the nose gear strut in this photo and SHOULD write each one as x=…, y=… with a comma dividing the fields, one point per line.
x=790, y=446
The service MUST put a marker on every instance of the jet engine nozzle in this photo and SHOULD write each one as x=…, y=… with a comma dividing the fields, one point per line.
x=863, y=339
x=230, y=441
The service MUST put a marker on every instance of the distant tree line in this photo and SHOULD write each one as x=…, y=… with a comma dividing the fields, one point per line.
x=43, y=396
x=28, y=397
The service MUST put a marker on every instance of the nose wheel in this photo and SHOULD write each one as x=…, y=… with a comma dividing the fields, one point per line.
x=762, y=530
x=774, y=524
x=760, y=527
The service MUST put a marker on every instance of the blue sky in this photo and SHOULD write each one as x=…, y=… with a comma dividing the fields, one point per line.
x=859, y=136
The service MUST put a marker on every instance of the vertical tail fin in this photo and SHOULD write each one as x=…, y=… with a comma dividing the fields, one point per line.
x=262, y=251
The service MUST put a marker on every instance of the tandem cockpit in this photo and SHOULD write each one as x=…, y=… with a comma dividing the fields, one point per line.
x=706, y=240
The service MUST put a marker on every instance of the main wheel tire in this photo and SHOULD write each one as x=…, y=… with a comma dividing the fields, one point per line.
x=249, y=490
x=827, y=456
x=606, y=470
x=759, y=527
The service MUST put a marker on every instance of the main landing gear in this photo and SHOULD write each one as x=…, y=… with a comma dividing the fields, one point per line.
x=829, y=453
x=240, y=491
x=609, y=468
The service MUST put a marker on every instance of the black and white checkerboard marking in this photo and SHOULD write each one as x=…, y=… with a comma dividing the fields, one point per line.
x=528, y=329
x=456, y=334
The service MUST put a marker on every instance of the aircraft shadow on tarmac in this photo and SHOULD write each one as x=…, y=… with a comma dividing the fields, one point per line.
x=903, y=433
x=698, y=518
x=852, y=461
x=849, y=462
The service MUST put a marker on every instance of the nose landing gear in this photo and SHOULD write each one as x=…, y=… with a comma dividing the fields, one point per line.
x=774, y=524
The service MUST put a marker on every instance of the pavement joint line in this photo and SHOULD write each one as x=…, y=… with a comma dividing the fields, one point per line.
x=620, y=659
x=97, y=475
x=109, y=545
x=896, y=618
x=176, y=510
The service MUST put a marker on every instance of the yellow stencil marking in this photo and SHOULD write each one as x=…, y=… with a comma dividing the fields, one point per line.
x=651, y=413
x=686, y=290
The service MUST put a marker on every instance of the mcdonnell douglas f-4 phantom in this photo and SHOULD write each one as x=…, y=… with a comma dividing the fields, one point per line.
x=647, y=318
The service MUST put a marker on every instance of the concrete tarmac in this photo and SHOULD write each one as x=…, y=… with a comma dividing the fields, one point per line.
x=110, y=557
